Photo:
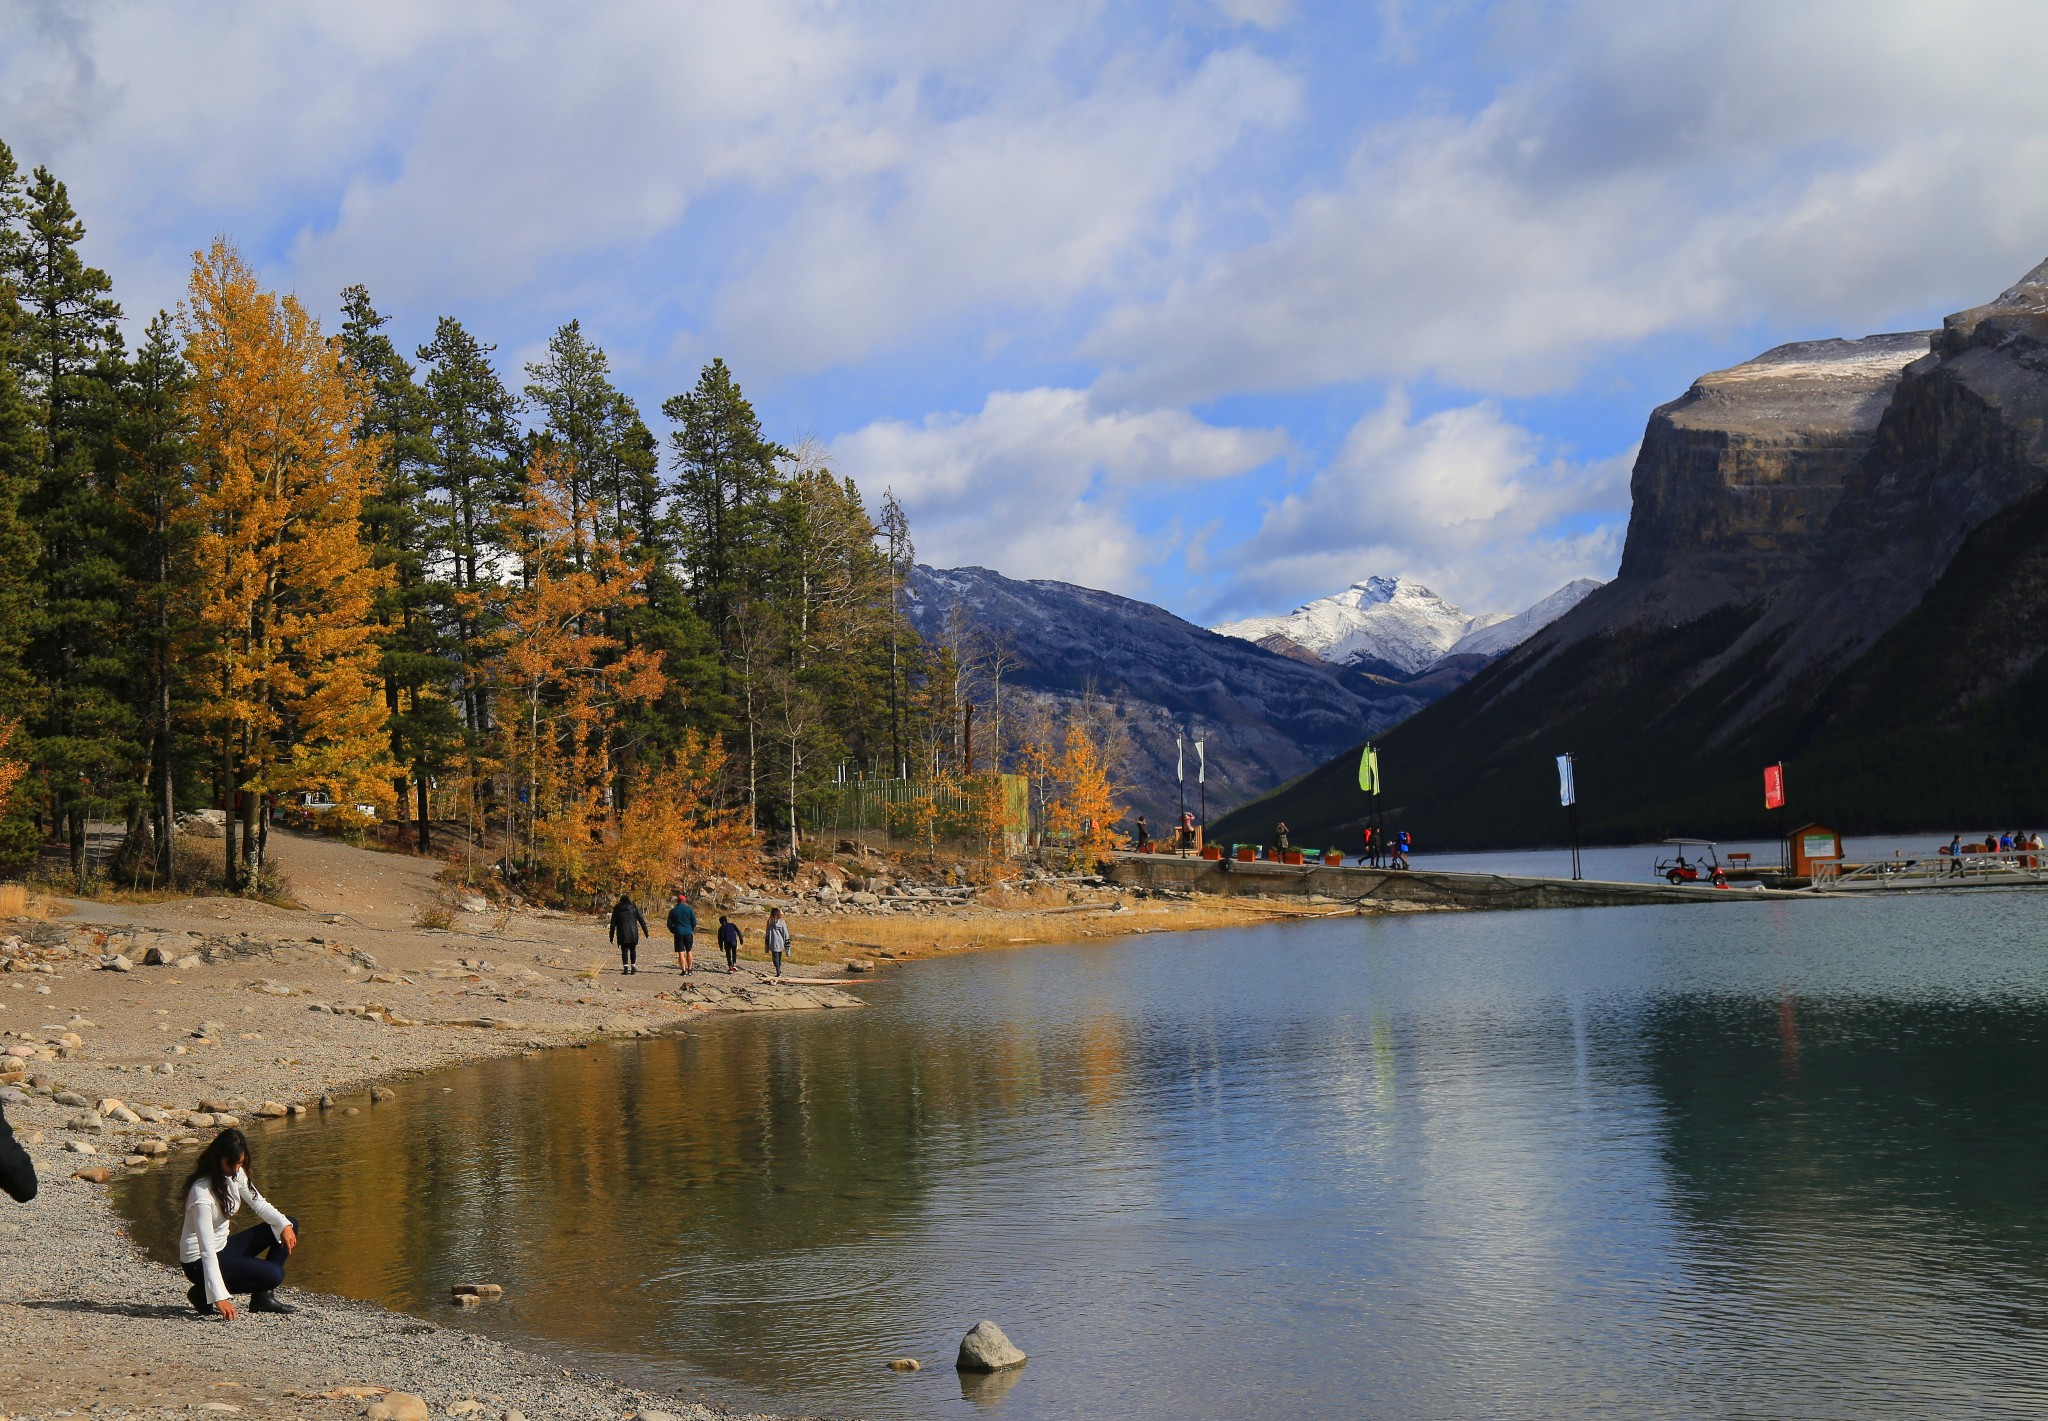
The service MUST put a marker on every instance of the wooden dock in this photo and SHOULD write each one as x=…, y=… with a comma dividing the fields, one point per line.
x=1429, y=887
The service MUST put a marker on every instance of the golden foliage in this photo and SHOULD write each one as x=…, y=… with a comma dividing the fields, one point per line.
x=11, y=770
x=284, y=654
x=675, y=830
x=562, y=680
x=1081, y=804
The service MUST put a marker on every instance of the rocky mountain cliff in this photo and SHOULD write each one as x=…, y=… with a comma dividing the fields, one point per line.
x=1266, y=717
x=1394, y=626
x=1837, y=556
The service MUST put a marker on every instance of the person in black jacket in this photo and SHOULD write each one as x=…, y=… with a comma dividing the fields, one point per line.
x=17, y=1170
x=628, y=922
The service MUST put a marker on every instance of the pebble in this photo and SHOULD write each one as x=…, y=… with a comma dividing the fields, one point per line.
x=118, y=963
x=71, y=1098
x=271, y=1110
x=378, y=1092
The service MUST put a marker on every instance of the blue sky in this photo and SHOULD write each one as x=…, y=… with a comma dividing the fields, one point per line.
x=1221, y=303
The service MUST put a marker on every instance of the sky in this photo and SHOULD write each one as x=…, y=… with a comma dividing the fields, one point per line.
x=1224, y=304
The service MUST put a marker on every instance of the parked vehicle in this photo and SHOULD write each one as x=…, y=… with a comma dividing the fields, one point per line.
x=1701, y=867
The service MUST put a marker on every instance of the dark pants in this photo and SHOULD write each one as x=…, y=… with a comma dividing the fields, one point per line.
x=629, y=952
x=732, y=956
x=251, y=1261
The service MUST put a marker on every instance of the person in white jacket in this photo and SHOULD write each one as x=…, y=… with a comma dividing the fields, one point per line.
x=221, y=1265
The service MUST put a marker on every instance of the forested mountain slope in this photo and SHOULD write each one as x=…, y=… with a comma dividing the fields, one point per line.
x=1837, y=556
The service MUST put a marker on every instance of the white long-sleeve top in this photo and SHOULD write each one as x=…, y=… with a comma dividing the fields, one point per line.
x=206, y=1226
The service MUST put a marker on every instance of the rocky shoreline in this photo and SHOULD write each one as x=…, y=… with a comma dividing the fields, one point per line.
x=128, y=1032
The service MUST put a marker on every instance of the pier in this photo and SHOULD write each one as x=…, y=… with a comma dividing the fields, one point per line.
x=1353, y=884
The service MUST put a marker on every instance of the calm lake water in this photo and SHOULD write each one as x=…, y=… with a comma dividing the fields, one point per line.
x=1749, y=1159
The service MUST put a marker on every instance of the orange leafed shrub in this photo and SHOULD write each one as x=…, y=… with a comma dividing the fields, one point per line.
x=1082, y=807
x=11, y=770
x=675, y=831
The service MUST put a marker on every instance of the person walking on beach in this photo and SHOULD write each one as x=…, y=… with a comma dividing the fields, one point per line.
x=682, y=926
x=628, y=922
x=17, y=1170
x=776, y=939
x=729, y=940
x=252, y=1261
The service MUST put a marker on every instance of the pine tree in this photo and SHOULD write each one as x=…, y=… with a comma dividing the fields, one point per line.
x=573, y=389
x=477, y=460
x=413, y=609
x=152, y=490
x=20, y=460
x=68, y=347
x=285, y=651
x=724, y=481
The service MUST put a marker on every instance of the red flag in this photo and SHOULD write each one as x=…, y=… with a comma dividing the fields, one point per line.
x=1774, y=786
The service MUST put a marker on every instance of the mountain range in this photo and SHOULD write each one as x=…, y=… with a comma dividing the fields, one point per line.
x=1267, y=713
x=1837, y=558
x=1392, y=626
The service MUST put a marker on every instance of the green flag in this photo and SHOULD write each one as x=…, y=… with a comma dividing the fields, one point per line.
x=1369, y=770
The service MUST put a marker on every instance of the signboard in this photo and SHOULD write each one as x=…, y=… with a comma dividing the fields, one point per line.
x=1819, y=846
x=1567, y=789
x=1774, y=786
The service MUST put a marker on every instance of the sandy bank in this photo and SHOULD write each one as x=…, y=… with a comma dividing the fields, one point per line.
x=257, y=1009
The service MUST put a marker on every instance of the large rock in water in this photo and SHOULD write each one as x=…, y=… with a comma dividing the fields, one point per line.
x=986, y=1349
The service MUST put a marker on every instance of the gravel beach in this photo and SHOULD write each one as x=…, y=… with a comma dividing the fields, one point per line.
x=131, y=1032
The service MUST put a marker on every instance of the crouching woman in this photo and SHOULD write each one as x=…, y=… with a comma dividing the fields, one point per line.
x=251, y=1261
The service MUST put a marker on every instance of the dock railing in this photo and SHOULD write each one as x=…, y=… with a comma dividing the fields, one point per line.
x=2015, y=867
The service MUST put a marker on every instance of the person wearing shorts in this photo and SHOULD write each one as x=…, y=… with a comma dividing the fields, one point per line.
x=682, y=926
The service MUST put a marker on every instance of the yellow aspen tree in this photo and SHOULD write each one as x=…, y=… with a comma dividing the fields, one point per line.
x=563, y=681
x=283, y=652
x=681, y=830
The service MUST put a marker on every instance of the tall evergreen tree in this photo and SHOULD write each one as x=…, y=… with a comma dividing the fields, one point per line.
x=152, y=489
x=724, y=485
x=581, y=410
x=69, y=350
x=413, y=608
x=477, y=459
x=20, y=461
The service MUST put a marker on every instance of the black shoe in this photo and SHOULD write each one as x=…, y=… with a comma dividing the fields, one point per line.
x=266, y=1301
x=196, y=1295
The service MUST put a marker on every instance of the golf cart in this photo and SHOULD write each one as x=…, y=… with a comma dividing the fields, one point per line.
x=1702, y=867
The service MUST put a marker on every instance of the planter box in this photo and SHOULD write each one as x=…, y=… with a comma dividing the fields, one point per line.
x=1291, y=856
x=1212, y=853
x=1247, y=855
x=1332, y=859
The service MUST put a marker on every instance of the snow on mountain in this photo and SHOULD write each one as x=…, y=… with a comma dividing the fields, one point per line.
x=1398, y=625
x=1511, y=633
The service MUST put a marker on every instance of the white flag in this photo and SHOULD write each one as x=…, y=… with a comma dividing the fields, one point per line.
x=1180, y=761
x=1201, y=765
x=1567, y=790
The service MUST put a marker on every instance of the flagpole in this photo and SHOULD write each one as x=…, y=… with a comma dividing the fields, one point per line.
x=1180, y=775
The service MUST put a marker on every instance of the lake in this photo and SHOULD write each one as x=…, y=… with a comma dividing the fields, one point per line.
x=1765, y=1159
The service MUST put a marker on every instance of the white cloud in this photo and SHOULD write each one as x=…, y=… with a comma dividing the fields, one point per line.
x=881, y=165
x=1462, y=500
x=1036, y=483
x=1648, y=169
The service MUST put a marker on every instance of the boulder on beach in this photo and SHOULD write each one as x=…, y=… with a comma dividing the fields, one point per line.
x=985, y=1348
x=399, y=1406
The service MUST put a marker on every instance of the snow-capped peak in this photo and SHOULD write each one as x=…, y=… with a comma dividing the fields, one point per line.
x=1403, y=625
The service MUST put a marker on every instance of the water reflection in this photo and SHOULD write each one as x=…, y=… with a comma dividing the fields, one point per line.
x=1758, y=1159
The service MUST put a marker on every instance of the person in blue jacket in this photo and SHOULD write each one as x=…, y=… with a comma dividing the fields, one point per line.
x=682, y=926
